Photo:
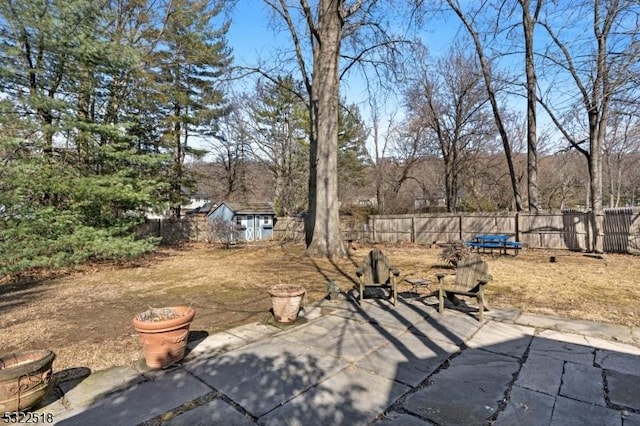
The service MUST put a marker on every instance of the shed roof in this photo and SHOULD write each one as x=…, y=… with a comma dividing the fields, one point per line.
x=250, y=208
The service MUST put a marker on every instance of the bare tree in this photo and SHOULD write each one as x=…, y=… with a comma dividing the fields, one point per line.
x=563, y=180
x=230, y=148
x=381, y=147
x=601, y=69
x=450, y=103
x=622, y=141
x=408, y=148
x=488, y=77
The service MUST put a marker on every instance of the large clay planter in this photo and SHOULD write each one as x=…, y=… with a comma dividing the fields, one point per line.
x=164, y=342
x=286, y=301
x=25, y=379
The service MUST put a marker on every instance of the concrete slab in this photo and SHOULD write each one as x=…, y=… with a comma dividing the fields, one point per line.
x=502, y=315
x=403, y=316
x=311, y=313
x=448, y=326
x=276, y=348
x=351, y=309
x=383, y=313
x=568, y=412
x=254, y=331
x=616, y=332
x=624, y=389
x=141, y=402
x=351, y=397
x=622, y=362
x=215, y=344
x=328, y=326
x=555, y=345
x=213, y=413
x=541, y=374
x=260, y=382
x=506, y=339
x=410, y=360
x=526, y=408
x=585, y=328
x=401, y=419
x=629, y=419
x=84, y=391
x=565, y=337
x=345, y=309
x=614, y=346
x=583, y=383
x=350, y=340
x=467, y=392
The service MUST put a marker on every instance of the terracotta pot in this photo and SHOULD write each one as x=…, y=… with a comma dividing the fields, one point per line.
x=164, y=341
x=286, y=301
x=25, y=379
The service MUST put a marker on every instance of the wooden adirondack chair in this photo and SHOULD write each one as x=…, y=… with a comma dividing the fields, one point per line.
x=471, y=277
x=376, y=271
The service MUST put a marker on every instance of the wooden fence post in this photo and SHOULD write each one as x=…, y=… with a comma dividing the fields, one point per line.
x=373, y=229
x=413, y=229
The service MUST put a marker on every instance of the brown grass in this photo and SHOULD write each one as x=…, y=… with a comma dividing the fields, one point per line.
x=85, y=316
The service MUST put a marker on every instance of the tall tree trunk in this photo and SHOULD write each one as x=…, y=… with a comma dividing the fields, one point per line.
x=528, y=25
x=176, y=179
x=326, y=240
x=449, y=184
x=310, y=220
x=599, y=114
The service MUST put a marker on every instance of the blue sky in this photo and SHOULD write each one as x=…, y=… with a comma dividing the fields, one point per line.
x=249, y=35
x=252, y=36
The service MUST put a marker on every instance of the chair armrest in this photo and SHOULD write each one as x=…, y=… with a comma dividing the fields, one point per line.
x=485, y=279
x=440, y=277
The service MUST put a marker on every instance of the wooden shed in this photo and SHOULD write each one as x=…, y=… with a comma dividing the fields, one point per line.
x=254, y=221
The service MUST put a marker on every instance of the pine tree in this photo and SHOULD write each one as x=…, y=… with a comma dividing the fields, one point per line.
x=190, y=62
x=74, y=181
x=279, y=119
x=352, y=151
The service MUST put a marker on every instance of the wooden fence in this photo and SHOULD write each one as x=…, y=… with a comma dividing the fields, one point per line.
x=568, y=229
x=191, y=228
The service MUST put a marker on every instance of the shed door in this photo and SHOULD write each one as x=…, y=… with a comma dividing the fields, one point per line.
x=249, y=233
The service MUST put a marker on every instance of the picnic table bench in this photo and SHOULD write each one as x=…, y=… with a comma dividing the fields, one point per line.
x=492, y=242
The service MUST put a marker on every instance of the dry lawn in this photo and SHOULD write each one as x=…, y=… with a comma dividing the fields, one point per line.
x=85, y=316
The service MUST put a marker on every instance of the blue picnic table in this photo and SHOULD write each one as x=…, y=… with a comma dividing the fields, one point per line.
x=492, y=242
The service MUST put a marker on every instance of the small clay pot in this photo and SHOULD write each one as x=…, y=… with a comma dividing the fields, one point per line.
x=286, y=301
x=164, y=341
